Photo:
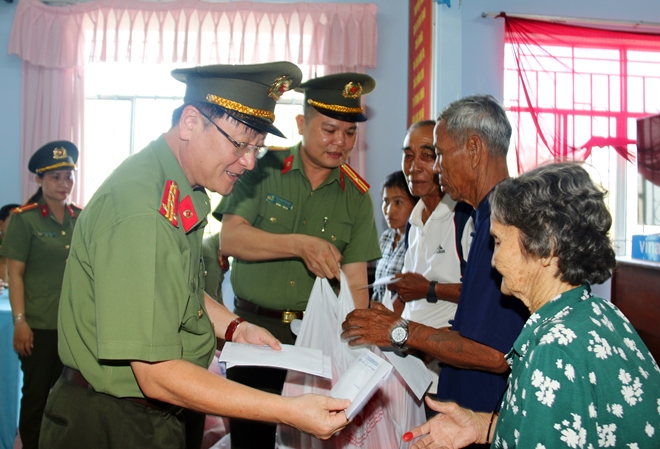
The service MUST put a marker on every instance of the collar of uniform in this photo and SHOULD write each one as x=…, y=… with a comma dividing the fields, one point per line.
x=445, y=206
x=296, y=164
x=548, y=312
x=197, y=199
x=45, y=210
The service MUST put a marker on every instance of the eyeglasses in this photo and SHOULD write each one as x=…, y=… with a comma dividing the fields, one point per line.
x=242, y=148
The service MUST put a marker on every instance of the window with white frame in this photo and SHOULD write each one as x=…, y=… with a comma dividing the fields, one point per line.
x=576, y=93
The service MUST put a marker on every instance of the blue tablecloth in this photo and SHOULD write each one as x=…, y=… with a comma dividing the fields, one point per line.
x=10, y=376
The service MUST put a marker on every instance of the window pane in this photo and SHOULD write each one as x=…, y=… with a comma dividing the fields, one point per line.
x=107, y=141
x=152, y=118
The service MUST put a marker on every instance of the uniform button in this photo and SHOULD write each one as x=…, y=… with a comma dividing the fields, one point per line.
x=292, y=283
x=333, y=238
x=205, y=272
x=423, y=234
x=200, y=313
x=63, y=232
x=304, y=222
x=187, y=213
x=66, y=246
x=273, y=219
x=311, y=193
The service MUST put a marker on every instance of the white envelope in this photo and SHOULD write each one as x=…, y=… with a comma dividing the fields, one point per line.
x=296, y=358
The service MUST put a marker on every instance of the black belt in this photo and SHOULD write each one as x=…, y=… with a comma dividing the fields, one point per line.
x=285, y=315
x=75, y=376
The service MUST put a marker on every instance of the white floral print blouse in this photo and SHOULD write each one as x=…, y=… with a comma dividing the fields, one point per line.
x=581, y=377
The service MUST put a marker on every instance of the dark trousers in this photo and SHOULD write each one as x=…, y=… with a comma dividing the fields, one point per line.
x=80, y=418
x=40, y=372
x=247, y=434
x=194, y=422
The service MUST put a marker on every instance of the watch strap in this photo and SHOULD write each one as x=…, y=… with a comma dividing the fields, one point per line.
x=430, y=295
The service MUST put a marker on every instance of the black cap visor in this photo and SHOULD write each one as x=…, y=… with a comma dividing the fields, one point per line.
x=254, y=123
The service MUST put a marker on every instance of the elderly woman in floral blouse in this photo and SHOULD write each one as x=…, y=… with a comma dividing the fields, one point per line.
x=580, y=375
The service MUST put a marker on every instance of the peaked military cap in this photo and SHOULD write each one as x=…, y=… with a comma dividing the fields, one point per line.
x=339, y=95
x=57, y=155
x=247, y=93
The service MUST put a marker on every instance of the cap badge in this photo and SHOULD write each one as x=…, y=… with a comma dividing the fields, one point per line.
x=59, y=153
x=279, y=86
x=352, y=90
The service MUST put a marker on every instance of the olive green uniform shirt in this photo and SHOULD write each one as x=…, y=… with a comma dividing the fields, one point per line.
x=280, y=200
x=36, y=238
x=134, y=284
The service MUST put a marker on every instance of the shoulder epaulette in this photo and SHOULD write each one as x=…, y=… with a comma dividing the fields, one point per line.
x=169, y=204
x=20, y=210
x=360, y=183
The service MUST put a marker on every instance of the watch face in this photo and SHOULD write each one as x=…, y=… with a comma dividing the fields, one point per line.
x=399, y=334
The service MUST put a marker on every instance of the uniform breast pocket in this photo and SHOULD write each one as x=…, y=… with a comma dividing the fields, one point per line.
x=339, y=234
x=277, y=216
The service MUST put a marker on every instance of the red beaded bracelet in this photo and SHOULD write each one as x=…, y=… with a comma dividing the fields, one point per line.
x=229, y=333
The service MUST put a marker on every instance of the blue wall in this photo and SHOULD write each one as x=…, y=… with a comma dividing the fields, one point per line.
x=10, y=111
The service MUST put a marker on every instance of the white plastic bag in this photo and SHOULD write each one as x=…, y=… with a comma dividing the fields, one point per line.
x=391, y=412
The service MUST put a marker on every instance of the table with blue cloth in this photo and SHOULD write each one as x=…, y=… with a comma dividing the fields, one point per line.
x=10, y=376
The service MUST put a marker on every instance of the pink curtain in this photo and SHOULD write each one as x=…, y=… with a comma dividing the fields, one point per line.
x=569, y=89
x=55, y=42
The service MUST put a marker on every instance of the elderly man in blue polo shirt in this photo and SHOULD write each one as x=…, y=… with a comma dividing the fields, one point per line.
x=471, y=140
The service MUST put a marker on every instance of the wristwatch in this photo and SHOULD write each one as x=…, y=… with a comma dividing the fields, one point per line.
x=399, y=334
x=430, y=295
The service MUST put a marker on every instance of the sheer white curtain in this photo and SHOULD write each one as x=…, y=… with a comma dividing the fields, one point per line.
x=55, y=42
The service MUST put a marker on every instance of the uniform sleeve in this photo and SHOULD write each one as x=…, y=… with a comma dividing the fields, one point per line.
x=141, y=300
x=552, y=402
x=245, y=199
x=16, y=243
x=364, y=245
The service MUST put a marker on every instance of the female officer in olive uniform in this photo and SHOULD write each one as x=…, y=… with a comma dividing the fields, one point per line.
x=37, y=246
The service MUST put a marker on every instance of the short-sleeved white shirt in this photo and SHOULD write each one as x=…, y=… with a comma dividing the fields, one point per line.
x=432, y=253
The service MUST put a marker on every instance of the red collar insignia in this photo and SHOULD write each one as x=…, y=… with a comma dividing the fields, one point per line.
x=288, y=163
x=71, y=211
x=341, y=180
x=188, y=214
x=44, y=211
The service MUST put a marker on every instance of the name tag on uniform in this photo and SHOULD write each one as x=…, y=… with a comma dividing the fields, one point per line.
x=45, y=234
x=281, y=202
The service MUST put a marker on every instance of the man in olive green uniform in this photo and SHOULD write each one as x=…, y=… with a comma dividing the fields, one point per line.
x=137, y=332
x=299, y=215
x=36, y=248
x=216, y=265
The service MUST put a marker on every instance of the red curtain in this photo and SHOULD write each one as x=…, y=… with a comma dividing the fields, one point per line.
x=567, y=89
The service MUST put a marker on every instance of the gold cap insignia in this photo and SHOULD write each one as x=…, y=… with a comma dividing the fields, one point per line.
x=279, y=86
x=238, y=107
x=59, y=153
x=352, y=90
